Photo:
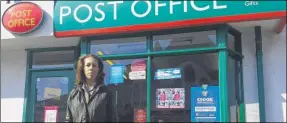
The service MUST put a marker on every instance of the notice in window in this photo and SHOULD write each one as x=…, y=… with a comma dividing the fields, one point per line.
x=50, y=113
x=170, y=73
x=140, y=115
x=117, y=74
x=205, y=103
x=138, y=70
x=170, y=98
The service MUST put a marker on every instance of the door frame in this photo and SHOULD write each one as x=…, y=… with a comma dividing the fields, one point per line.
x=27, y=115
x=44, y=74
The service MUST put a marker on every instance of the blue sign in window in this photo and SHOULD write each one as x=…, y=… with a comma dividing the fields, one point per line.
x=117, y=74
x=169, y=73
x=205, y=104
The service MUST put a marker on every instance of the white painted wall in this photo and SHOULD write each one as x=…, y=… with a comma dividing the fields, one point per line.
x=274, y=65
x=13, y=74
x=249, y=75
x=274, y=61
x=45, y=29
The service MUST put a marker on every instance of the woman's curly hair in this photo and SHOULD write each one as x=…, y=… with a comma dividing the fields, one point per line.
x=80, y=75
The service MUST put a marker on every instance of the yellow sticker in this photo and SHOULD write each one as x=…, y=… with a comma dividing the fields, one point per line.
x=50, y=93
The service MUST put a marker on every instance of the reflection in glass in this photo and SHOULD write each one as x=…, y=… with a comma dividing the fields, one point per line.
x=51, y=91
x=118, y=46
x=128, y=87
x=184, y=40
x=171, y=97
x=53, y=59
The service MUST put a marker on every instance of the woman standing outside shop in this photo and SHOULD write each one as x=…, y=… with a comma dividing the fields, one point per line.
x=90, y=100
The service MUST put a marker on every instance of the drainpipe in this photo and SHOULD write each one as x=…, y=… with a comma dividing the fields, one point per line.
x=260, y=80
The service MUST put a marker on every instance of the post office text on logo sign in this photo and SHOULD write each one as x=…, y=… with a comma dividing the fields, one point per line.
x=22, y=17
x=99, y=6
x=105, y=17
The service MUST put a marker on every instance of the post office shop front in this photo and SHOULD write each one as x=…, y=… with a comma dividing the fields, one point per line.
x=163, y=60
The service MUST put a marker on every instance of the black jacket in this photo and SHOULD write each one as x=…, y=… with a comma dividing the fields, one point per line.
x=100, y=108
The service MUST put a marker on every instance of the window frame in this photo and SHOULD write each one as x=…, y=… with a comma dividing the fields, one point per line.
x=221, y=48
x=26, y=117
x=222, y=31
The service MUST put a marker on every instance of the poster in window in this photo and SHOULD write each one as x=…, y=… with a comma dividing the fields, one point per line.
x=50, y=113
x=170, y=98
x=138, y=70
x=205, y=104
x=138, y=65
x=117, y=74
x=140, y=115
x=137, y=75
x=177, y=98
x=169, y=73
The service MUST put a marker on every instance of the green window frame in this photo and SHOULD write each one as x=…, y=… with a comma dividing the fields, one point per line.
x=221, y=48
x=28, y=104
x=223, y=51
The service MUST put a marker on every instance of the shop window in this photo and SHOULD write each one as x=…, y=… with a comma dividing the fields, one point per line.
x=184, y=40
x=173, y=77
x=118, y=46
x=127, y=80
x=53, y=59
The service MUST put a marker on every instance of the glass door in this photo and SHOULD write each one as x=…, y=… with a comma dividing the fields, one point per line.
x=49, y=92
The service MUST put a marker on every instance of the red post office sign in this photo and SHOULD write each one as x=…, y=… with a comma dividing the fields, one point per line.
x=22, y=17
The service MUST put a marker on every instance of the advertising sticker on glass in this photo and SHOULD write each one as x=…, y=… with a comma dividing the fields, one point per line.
x=117, y=74
x=139, y=115
x=138, y=70
x=205, y=104
x=50, y=113
x=169, y=73
x=170, y=98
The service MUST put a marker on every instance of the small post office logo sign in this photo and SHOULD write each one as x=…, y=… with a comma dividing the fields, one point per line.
x=22, y=17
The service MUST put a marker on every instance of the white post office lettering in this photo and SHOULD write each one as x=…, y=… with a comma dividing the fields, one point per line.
x=171, y=4
x=115, y=7
x=64, y=14
x=218, y=7
x=144, y=14
x=185, y=6
x=100, y=11
x=158, y=5
x=87, y=18
x=197, y=8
